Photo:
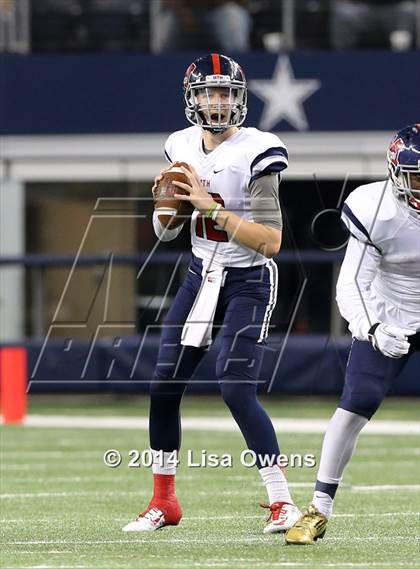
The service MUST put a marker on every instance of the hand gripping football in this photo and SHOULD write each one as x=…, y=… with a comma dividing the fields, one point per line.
x=172, y=211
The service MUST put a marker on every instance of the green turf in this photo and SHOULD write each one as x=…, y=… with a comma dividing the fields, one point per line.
x=278, y=406
x=61, y=507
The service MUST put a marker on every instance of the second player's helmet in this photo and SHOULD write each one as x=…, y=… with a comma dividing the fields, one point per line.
x=203, y=105
x=404, y=165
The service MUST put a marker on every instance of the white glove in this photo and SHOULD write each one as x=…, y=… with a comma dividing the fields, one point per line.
x=391, y=341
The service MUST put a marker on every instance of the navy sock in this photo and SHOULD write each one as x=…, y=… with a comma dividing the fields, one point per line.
x=329, y=489
x=164, y=419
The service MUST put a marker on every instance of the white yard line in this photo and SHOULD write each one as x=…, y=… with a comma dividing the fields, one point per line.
x=382, y=514
x=137, y=493
x=57, y=566
x=68, y=494
x=274, y=564
x=187, y=519
x=68, y=479
x=197, y=541
x=228, y=563
x=222, y=424
x=387, y=488
x=378, y=515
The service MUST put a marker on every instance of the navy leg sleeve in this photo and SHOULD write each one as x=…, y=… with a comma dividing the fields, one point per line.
x=175, y=366
x=251, y=417
x=239, y=362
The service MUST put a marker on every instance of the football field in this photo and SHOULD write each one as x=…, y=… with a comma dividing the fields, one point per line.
x=62, y=507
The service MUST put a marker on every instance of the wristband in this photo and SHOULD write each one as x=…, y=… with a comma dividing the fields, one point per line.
x=216, y=211
x=209, y=212
x=371, y=332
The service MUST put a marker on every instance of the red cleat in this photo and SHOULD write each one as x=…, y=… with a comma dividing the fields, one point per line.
x=159, y=513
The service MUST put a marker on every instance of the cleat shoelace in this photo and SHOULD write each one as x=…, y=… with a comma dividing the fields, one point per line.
x=275, y=510
x=151, y=515
x=307, y=520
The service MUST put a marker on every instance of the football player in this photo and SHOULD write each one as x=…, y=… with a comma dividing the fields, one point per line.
x=236, y=229
x=378, y=293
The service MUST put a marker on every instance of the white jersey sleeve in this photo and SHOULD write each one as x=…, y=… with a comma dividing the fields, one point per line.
x=358, y=214
x=362, y=259
x=353, y=287
x=267, y=155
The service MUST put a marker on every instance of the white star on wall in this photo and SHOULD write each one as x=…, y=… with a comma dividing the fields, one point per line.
x=283, y=96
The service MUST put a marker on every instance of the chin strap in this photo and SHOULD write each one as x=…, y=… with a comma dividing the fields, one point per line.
x=216, y=131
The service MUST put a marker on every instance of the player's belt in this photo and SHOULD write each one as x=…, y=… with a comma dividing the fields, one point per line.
x=197, y=265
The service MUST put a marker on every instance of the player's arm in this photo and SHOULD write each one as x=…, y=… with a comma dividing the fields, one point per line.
x=162, y=232
x=357, y=272
x=257, y=236
x=264, y=234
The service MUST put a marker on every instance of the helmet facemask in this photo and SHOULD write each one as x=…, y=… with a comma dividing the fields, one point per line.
x=216, y=113
x=406, y=184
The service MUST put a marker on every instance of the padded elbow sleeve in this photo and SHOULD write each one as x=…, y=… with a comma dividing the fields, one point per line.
x=162, y=232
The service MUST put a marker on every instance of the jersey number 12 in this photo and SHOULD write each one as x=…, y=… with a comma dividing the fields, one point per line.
x=207, y=228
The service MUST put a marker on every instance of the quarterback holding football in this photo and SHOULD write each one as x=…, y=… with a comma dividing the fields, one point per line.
x=378, y=293
x=228, y=176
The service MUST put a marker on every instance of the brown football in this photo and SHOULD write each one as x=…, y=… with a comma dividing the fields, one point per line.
x=172, y=211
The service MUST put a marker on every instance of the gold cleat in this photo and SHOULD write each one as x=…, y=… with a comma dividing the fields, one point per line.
x=309, y=527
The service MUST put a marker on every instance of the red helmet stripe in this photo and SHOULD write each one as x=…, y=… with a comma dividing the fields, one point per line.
x=216, y=63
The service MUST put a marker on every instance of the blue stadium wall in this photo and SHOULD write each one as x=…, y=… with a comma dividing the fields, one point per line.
x=299, y=364
x=67, y=94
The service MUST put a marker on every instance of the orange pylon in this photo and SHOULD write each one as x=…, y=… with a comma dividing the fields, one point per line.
x=13, y=382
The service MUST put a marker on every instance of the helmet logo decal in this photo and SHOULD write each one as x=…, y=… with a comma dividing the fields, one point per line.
x=395, y=148
x=187, y=76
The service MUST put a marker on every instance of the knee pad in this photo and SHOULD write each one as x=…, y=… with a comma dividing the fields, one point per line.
x=363, y=399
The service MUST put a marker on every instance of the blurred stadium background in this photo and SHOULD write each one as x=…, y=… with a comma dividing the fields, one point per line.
x=89, y=90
